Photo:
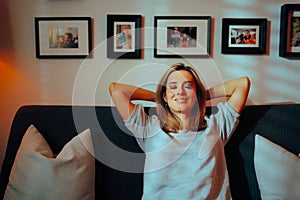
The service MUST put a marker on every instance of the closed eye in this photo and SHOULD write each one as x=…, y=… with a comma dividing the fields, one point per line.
x=188, y=85
x=172, y=85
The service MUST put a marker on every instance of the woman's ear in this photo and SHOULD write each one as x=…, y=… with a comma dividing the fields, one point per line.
x=165, y=98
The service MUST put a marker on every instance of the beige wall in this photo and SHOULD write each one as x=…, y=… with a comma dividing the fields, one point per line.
x=26, y=80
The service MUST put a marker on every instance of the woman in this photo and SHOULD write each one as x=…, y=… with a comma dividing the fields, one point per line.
x=184, y=149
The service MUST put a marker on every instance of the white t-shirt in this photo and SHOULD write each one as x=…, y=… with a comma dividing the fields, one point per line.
x=184, y=165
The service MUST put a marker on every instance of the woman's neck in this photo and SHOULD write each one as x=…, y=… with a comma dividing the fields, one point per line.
x=184, y=121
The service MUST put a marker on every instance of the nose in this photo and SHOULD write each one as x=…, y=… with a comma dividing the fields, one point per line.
x=181, y=91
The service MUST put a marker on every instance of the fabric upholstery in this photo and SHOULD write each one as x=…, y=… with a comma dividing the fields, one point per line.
x=39, y=174
x=59, y=124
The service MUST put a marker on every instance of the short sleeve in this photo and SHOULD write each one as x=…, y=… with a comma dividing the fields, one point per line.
x=226, y=120
x=141, y=124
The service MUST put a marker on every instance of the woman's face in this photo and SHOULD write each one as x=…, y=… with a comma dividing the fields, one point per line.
x=181, y=92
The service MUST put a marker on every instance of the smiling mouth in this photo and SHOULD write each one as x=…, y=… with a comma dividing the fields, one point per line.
x=181, y=100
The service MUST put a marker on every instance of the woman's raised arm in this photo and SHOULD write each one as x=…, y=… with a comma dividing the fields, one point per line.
x=123, y=94
x=237, y=90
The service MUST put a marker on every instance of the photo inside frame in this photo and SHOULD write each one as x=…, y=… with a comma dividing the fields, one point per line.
x=181, y=37
x=243, y=36
x=294, y=30
x=124, y=37
x=63, y=37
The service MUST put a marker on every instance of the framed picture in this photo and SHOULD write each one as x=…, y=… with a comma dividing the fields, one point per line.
x=289, y=45
x=124, y=36
x=244, y=35
x=63, y=37
x=182, y=36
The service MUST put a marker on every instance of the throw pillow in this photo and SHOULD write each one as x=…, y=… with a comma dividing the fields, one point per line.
x=38, y=174
x=277, y=170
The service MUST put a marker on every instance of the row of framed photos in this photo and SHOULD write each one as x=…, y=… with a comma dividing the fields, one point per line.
x=174, y=36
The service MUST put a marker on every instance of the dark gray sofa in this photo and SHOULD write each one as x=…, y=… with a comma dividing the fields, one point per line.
x=58, y=124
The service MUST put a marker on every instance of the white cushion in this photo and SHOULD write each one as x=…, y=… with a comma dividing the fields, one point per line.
x=38, y=174
x=277, y=170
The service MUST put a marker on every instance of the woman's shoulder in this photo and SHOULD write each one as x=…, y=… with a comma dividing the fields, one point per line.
x=223, y=109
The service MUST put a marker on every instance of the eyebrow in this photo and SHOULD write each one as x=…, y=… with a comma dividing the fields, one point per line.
x=175, y=82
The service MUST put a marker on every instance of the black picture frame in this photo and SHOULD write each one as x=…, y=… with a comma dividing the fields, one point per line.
x=289, y=42
x=192, y=39
x=234, y=39
x=51, y=35
x=117, y=30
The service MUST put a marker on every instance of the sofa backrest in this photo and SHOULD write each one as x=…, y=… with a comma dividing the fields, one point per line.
x=278, y=123
x=117, y=150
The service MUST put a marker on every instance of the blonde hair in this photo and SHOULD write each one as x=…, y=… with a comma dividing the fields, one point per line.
x=169, y=121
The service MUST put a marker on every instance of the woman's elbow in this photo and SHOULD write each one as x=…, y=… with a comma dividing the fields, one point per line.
x=112, y=87
x=244, y=86
x=247, y=82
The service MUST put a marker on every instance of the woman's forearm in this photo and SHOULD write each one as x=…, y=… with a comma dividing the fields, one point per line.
x=131, y=92
x=236, y=90
x=123, y=94
x=227, y=89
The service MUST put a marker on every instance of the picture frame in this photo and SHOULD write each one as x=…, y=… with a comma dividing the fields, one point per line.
x=289, y=42
x=63, y=37
x=244, y=35
x=124, y=36
x=182, y=36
